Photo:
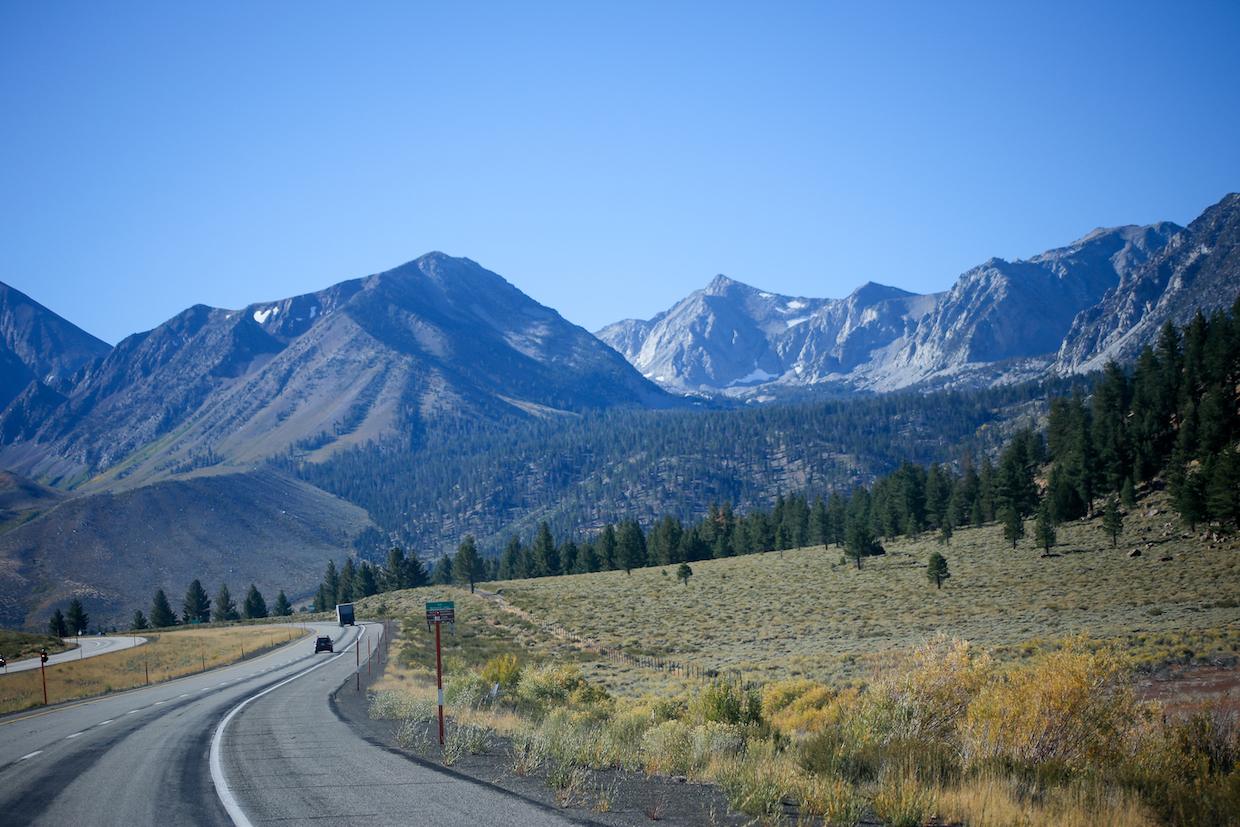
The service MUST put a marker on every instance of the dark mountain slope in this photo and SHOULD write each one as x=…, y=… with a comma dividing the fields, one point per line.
x=112, y=551
x=37, y=345
x=438, y=337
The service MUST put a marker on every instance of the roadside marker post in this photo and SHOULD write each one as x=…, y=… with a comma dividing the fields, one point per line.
x=440, y=613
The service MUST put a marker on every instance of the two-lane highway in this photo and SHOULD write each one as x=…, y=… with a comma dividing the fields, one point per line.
x=253, y=744
x=88, y=647
x=137, y=757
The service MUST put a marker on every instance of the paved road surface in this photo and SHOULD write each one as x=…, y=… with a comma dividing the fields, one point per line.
x=252, y=744
x=89, y=647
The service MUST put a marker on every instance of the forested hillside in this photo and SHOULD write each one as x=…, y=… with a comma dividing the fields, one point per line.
x=1174, y=418
x=496, y=480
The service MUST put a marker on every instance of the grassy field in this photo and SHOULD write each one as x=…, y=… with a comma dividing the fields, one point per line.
x=1005, y=697
x=807, y=613
x=168, y=654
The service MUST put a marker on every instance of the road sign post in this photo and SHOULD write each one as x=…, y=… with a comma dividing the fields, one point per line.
x=438, y=614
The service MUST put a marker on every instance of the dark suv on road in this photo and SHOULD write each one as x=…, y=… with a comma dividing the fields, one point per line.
x=322, y=644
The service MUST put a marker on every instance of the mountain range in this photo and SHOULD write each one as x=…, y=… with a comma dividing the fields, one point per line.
x=163, y=440
x=1065, y=311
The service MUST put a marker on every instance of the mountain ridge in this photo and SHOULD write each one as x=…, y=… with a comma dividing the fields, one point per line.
x=1000, y=322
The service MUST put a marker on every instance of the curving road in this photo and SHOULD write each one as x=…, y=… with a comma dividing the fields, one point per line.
x=88, y=647
x=256, y=743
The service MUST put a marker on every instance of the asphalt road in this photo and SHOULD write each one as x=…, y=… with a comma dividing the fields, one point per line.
x=252, y=744
x=88, y=647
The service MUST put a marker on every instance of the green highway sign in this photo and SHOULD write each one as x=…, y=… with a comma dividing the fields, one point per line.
x=442, y=612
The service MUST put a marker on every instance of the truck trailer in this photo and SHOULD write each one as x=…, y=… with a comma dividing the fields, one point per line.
x=344, y=614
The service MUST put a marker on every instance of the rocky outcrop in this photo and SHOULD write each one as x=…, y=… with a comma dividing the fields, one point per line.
x=1198, y=269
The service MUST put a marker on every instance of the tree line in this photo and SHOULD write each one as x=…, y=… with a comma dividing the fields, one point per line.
x=197, y=608
x=1174, y=415
x=451, y=477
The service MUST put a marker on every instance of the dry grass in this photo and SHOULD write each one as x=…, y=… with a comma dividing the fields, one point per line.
x=803, y=613
x=167, y=655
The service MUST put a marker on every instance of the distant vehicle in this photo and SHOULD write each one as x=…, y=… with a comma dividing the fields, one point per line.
x=344, y=613
x=323, y=644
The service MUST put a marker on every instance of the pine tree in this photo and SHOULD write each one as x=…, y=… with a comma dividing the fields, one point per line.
x=858, y=534
x=1112, y=520
x=416, y=575
x=76, y=618
x=1044, y=529
x=466, y=565
x=512, y=563
x=605, y=548
x=442, y=575
x=57, y=625
x=1013, y=525
x=347, y=591
x=544, y=557
x=225, y=608
x=331, y=586
x=162, y=615
x=282, y=608
x=139, y=622
x=684, y=573
x=394, y=575
x=254, y=606
x=936, y=571
x=367, y=583
x=630, y=546
x=196, y=608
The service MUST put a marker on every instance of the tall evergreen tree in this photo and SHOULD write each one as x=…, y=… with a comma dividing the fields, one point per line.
x=366, y=583
x=196, y=608
x=512, y=563
x=1044, y=529
x=544, y=557
x=630, y=545
x=139, y=622
x=605, y=548
x=76, y=618
x=1013, y=525
x=346, y=590
x=254, y=606
x=394, y=572
x=162, y=615
x=225, y=607
x=331, y=586
x=858, y=534
x=442, y=575
x=1112, y=520
x=936, y=571
x=466, y=565
x=282, y=607
x=57, y=625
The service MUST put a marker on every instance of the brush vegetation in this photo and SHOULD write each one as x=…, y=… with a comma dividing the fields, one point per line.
x=1007, y=696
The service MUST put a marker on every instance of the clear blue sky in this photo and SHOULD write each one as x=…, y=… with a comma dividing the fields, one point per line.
x=605, y=158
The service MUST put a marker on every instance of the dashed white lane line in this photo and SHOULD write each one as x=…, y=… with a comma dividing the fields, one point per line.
x=105, y=723
x=30, y=755
x=74, y=735
x=132, y=711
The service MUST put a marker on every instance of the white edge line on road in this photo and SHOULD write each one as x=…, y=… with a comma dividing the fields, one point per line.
x=217, y=765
